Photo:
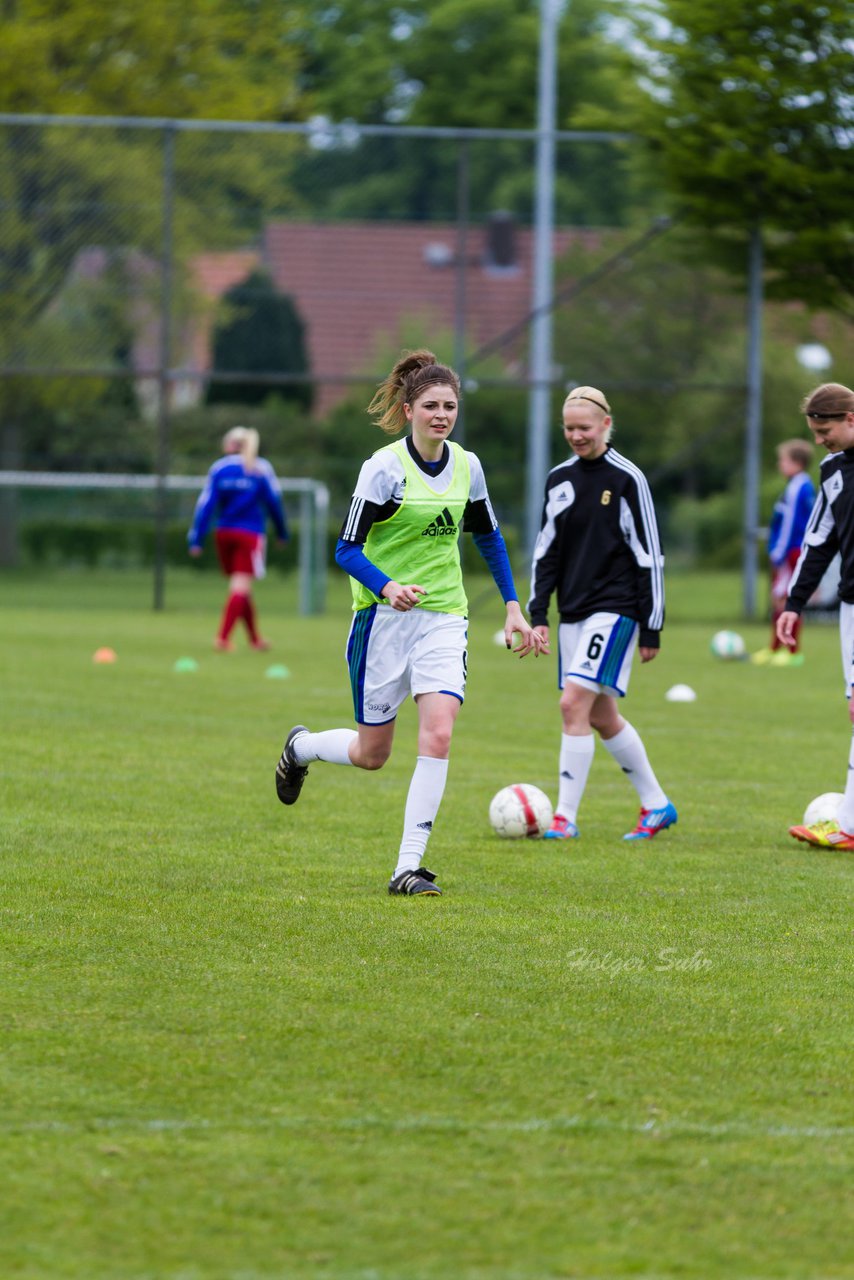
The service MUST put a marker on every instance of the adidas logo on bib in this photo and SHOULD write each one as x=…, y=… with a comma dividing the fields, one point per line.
x=443, y=523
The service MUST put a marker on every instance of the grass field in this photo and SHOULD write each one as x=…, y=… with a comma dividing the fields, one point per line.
x=227, y=1053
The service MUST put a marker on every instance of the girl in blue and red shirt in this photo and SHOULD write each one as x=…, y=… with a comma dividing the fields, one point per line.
x=785, y=536
x=241, y=493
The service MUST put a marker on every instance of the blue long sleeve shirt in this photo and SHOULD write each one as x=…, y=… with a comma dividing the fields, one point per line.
x=789, y=520
x=237, y=499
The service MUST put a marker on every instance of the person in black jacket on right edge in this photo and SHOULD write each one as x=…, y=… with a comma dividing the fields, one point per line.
x=829, y=411
x=598, y=552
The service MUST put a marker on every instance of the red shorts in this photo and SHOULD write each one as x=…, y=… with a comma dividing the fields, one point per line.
x=240, y=551
x=781, y=574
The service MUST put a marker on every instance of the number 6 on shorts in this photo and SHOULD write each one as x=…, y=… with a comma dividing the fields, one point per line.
x=597, y=653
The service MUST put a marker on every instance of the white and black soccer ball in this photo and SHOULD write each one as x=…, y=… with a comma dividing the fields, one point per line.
x=728, y=645
x=520, y=810
x=825, y=808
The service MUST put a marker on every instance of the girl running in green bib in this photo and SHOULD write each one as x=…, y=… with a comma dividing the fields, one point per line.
x=400, y=546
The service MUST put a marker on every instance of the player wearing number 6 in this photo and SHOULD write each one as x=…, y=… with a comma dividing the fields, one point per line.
x=598, y=552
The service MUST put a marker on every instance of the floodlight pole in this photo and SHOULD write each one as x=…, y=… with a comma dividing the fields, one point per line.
x=753, y=424
x=540, y=359
x=460, y=279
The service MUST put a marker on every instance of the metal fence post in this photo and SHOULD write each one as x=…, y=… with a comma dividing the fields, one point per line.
x=753, y=425
x=305, y=553
x=165, y=355
x=321, y=515
x=461, y=261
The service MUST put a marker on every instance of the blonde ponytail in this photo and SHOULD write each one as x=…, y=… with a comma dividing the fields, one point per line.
x=245, y=441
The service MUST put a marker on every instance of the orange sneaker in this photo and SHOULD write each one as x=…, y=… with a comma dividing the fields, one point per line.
x=824, y=835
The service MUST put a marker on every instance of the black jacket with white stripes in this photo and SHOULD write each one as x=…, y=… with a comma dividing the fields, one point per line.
x=830, y=529
x=598, y=548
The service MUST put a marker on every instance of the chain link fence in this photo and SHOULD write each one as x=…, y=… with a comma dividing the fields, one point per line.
x=121, y=242
x=162, y=279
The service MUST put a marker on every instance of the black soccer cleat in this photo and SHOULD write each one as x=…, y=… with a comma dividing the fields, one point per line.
x=289, y=775
x=409, y=883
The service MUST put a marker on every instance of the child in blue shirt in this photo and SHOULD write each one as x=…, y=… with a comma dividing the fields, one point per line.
x=785, y=535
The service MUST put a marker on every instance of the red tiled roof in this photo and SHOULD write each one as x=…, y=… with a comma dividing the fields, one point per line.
x=358, y=287
x=354, y=283
x=212, y=275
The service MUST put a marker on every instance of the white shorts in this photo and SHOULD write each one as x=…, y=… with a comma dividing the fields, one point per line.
x=393, y=655
x=846, y=640
x=597, y=653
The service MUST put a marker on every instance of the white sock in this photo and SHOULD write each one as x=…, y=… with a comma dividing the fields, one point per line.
x=422, y=804
x=330, y=746
x=630, y=754
x=576, y=757
x=845, y=816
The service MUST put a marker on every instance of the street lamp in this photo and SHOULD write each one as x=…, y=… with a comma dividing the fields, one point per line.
x=814, y=356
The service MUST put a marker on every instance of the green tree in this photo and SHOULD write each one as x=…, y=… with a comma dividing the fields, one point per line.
x=749, y=109
x=261, y=333
x=66, y=190
x=662, y=334
x=467, y=64
x=63, y=190
x=212, y=59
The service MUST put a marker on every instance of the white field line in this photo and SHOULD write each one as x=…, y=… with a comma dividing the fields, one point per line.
x=390, y=1124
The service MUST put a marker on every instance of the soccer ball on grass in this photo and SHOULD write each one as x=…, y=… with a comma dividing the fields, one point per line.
x=520, y=810
x=825, y=808
x=728, y=645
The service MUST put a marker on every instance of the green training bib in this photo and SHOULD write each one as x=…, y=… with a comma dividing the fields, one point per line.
x=420, y=542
